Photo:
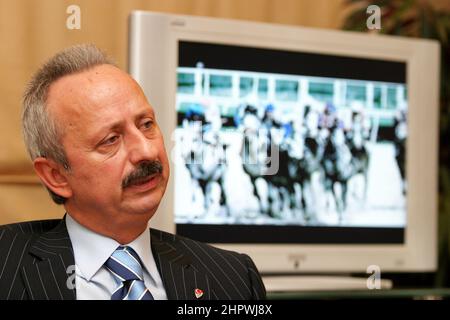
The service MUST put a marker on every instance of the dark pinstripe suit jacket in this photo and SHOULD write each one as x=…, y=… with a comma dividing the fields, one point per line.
x=35, y=259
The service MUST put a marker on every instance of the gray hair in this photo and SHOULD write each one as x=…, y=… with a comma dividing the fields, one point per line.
x=42, y=134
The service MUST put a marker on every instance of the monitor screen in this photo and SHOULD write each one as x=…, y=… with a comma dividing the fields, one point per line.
x=309, y=150
x=277, y=146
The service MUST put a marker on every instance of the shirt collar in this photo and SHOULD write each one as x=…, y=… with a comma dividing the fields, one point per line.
x=91, y=250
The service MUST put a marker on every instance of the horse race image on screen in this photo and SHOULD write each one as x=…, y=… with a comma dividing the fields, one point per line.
x=265, y=146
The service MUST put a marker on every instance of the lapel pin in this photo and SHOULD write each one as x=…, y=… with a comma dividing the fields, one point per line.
x=198, y=293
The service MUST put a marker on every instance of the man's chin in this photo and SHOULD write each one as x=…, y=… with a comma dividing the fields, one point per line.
x=144, y=200
x=146, y=203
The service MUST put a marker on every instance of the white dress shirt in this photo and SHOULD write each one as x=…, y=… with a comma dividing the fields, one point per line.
x=91, y=250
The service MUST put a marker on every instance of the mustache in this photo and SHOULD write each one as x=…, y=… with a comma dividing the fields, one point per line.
x=144, y=170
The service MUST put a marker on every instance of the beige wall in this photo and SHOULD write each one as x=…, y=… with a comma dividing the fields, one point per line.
x=32, y=31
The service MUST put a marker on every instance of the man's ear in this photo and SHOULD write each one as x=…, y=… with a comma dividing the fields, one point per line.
x=53, y=175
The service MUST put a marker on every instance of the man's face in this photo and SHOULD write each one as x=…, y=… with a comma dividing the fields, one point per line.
x=118, y=164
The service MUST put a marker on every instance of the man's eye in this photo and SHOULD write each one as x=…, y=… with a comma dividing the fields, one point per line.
x=147, y=124
x=111, y=140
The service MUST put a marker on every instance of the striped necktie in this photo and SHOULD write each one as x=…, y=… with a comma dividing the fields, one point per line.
x=126, y=267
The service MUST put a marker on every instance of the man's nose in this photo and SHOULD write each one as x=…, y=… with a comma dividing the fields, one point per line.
x=140, y=147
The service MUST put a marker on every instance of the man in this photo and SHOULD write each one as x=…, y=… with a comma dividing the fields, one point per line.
x=96, y=146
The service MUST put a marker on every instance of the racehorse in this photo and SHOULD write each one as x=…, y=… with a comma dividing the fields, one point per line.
x=400, y=146
x=337, y=168
x=263, y=158
x=204, y=158
x=301, y=170
x=360, y=156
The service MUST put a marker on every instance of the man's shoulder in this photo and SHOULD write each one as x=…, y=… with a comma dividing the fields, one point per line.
x=18, y=236
x=16, y=239
x=29, y=228
x=193, y=247
x=203, y=255
x=230, y=274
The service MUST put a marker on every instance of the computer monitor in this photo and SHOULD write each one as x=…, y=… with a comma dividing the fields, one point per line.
x=310, y=150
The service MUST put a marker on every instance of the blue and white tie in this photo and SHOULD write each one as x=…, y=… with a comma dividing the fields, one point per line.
x=126, y=267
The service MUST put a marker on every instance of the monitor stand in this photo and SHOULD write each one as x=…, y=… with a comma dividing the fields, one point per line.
x=318, y=283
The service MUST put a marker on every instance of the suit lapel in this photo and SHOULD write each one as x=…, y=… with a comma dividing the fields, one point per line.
x=180, y=278
x=52, y=275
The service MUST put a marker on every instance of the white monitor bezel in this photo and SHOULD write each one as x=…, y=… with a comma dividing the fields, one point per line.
x=153, y=39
